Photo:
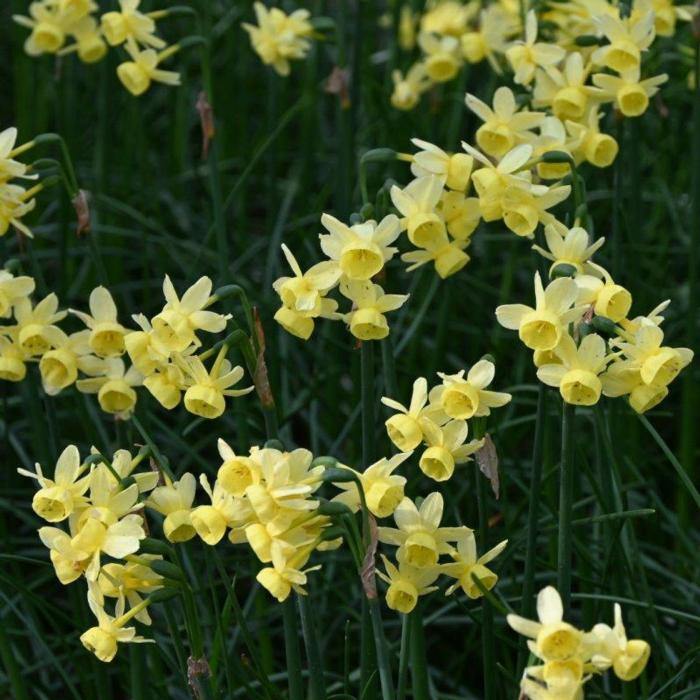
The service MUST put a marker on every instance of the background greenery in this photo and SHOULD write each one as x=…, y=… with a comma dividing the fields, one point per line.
x=285, y=151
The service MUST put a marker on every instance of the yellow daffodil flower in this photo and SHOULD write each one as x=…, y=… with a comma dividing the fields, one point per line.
x=419, y=537
x=446, y=448
x=362, y=249
x=525, y=56
x=367, y=320
x=542, y=328
x=462, y=398
x=129, y=23
x=174, y=500
x=550, y=639
x=12, y=289
x=137, y=74
x=442, y=56
x=114, y=386
x=468, y=565
x=629, y=94
x=59, y=367
x=36, y=332
x=568, y=247
x=61, y=496
x=417, y=203
x=576, y=376
x=409, y=88
x=106, y=333
x=455, y=169
x=279, y=38
x=504, y=126
x=177, y=324
x=607, y=298
x=628, y=38
x=406, y=584
x=383, y=489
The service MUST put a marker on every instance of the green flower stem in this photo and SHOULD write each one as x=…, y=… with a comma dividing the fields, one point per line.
x=385, y=675
x=528, y=603
x=291, y=647
x=419, y=664
x=389, y=367
x=487, y=638
x=367, y=398
x=566, y=496
x=403, y=656
x=317, y=687
x=368, y=683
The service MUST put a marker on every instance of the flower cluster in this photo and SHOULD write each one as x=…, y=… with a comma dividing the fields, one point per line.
x=570, y=656
x=279, y=38
x=61, y=27
x=162, y=352
x=560, y=329
x=264, y=498
x=583, y=41
x=15, y=200
x=101, y=503
x=437, y=419
x=357, y=253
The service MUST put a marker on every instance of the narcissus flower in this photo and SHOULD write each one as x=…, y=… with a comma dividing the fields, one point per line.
x=658, y=364
x=597, y=148
x=419, y=537
x=367, y=320
x=542, y=328
x=552, y=638
x=103, y=639
x=12, y=289
x=628, y=658
x=137, y=74
x=628, y=38
x=417, y=203
x=408, y=88
x=9, y=168
x=406, y=584
x=554, y=680
x=176, y=325
x=442, y=56
x=166, y=385
x=383, y=489
x=286, y=575
x=12, y=359
x=447, y=256
x=523, y=210
x=568, y=247
x=525, y=56
x=576, y=376
x=16, y=202
x=59, y=497
x=114, y=386
x=304, y=292
x=207, y=389
x=129, y=23
x=35, y=329
x=279, y=38
x=446, y=448
x=461, y=214
x=462, y=398
x=362, y=249
x=106, y=333
x=455, y=169
x=48, y=28
x=607, y=298
x=174, y=501
x=237, y=472
x=211, y=521
x=131, y=579
x=504, y=126
x=565, y=91
x=405, y=427
x=467, y=566
x=629, y=94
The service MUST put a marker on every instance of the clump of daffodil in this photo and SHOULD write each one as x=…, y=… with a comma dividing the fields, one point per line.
x=570, y=656
x=63, y=27
x=162, y=352
x=279, y=38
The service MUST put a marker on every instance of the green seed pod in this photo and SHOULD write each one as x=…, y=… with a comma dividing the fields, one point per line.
x=332, y=508
x=274, y=445
x=167, y=570
x=604, y=325
x=339, y=475
x=150, y=545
